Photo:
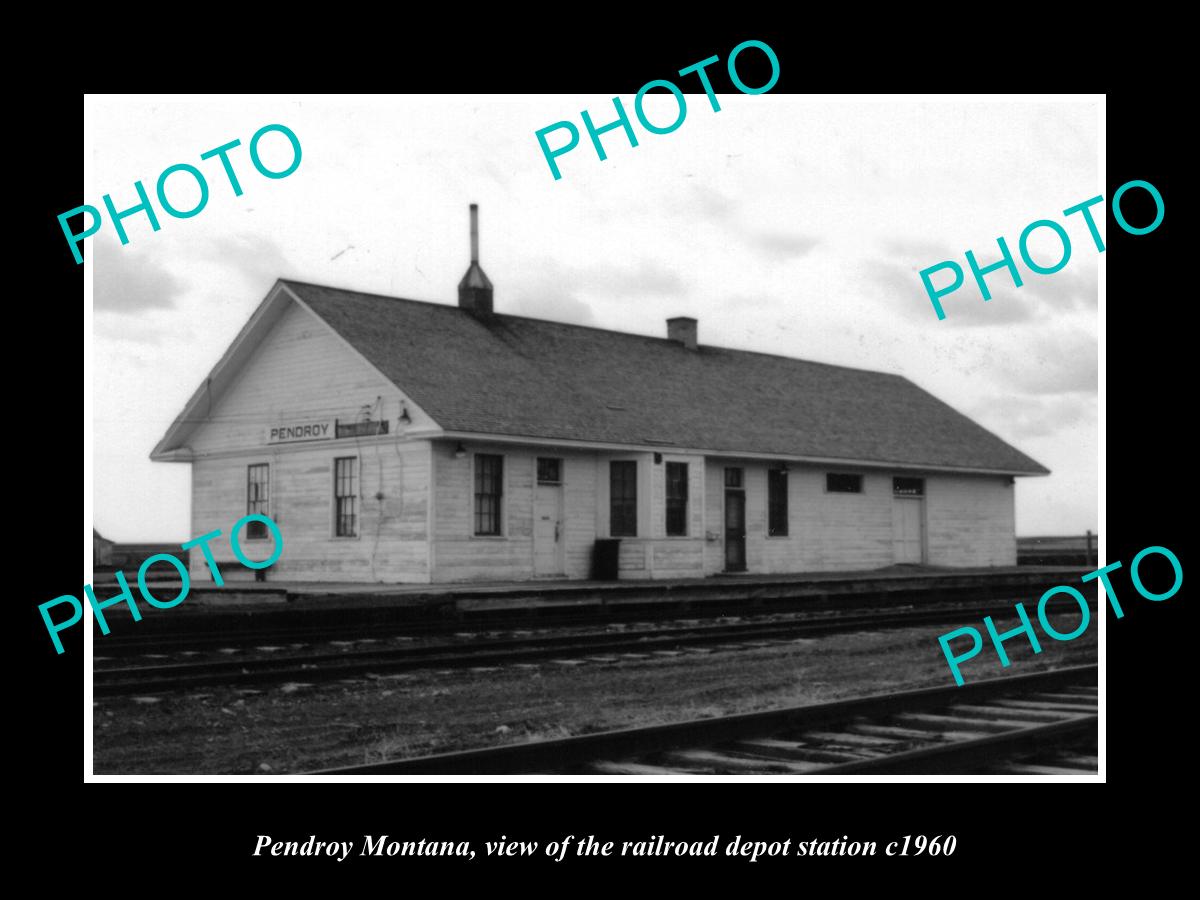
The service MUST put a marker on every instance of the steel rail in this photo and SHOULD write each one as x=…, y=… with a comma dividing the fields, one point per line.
x=574, y=753
x=157, y=678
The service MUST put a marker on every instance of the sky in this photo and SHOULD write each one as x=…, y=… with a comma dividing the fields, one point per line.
x=786, y=224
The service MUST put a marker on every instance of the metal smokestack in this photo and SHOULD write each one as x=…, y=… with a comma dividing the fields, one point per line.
x=475, y=232
x=475, y=289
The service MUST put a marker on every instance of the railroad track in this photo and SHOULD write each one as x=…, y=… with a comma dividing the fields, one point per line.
x=150, y=679
x=1043, y=723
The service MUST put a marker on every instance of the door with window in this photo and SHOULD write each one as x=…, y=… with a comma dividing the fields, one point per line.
x=548, y=537
x=735, y=521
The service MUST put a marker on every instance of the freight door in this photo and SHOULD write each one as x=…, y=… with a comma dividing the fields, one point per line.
x=907, y=537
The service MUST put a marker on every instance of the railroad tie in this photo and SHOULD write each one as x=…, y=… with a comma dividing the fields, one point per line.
x=894, y=732
x=728, y=764
x=939, y=720
x=1030, y=715
x=792, y=750
x=1079, y=761
x=626, y=767
x=1024, y=769
x=1063, y=697
x=1068, y=708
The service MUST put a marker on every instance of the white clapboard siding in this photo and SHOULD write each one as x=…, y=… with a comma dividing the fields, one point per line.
x=460, y=555
x=301, y=371
x=971, y=521
x=391, y=543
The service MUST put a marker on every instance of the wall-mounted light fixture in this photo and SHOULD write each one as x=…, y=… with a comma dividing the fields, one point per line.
x=405, y=418
x=783, y=467
x=460, y=451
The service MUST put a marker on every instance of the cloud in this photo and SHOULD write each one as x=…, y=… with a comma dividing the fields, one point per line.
x=781, y=247
x=125, y=328
x=927, y=253
x=557, y=306
x=1040, y=297
x=645, y=278
x=1058, y=364
x=258, y=259
x=1021, y=417
x=128, y=282
x=1073, y=288
x=712, y=202
x=900, y=288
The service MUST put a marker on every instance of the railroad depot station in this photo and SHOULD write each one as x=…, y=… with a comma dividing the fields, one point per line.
x=399, y=441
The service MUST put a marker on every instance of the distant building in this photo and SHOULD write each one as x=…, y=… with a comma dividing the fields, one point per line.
x=400, y=441
x=102, y=550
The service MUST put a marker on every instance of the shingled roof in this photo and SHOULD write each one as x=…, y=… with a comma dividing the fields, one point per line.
x=515, y=376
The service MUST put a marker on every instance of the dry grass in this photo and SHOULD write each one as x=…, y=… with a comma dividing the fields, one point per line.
x=239, y=732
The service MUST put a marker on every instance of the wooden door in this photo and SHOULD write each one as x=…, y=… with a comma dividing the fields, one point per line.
x=908, y=538
x=548, y=526
x=735, y=531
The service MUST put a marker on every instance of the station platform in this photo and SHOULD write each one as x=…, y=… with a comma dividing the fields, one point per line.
x=316, y=602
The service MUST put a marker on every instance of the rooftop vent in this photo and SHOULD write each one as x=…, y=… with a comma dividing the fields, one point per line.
x=475, y=289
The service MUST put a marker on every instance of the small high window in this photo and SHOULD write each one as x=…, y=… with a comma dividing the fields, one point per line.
x=549, y=470
x=840, y=483
x=908, y=487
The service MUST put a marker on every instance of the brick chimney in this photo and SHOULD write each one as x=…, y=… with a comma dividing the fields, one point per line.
x=683, y=330
x=475, y=289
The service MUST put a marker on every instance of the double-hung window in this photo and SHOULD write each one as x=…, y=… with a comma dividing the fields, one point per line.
x=345, y=496
x=489, y=493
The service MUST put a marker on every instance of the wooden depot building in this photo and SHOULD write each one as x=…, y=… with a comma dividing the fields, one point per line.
x=401, y=441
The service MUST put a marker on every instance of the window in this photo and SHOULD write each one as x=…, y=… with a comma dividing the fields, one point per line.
x=677, y=499
x=622, y=498
x=549, y=470
x=908, y=487
x=777, y=502
x=345, y=496
x=843, y=484
x=489, y=493
x=258, y=498
x=733, y=478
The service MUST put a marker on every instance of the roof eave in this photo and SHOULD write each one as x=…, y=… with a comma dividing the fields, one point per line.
x=183, y=425
x=736, y=454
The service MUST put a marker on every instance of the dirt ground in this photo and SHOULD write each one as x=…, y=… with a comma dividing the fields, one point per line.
x=296, y=728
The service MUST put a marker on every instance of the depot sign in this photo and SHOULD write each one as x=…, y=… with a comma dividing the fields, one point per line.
x=317, y=430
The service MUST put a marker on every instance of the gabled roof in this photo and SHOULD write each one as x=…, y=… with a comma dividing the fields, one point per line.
x=520, y=377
